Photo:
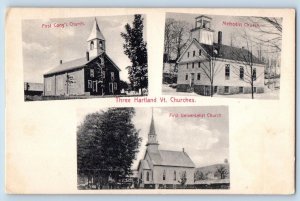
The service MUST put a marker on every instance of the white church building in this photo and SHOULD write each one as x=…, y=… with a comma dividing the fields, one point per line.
x=229, y=67
x=164, y=168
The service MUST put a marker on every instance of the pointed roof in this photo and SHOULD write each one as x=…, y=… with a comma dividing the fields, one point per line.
x=70, y=65
x=96, y=33
x=152, y=141
x=77, y=63
x=152, y=127
x=225, y=52
x=171, y=158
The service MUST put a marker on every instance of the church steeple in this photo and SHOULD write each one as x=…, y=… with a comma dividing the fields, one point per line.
x=96, y=41
x=152, y=144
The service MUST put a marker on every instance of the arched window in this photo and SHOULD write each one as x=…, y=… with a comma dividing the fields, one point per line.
x=164, y=175
x=92, y=45
x=174, y=175
x=148, y=176
x=242, y=73
x=101, y=44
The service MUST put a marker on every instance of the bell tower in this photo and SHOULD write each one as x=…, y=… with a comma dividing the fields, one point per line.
x=202, y=31
x=96, y=41
x=152, y=144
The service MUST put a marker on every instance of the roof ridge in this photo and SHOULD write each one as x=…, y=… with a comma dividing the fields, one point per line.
x=170, y=150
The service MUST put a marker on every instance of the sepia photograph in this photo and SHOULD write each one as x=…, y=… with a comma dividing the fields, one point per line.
x=91, y=57
x=222, y=56
x=153, y=148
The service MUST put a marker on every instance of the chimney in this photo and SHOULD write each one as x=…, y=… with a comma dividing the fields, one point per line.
x=220, y=38
x=87, y=56
x=60, y=61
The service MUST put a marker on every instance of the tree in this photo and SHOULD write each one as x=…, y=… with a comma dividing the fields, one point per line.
x=107, y=144
x=182, y=180
x=136, y=49
x=243, y=68
x=209, y=67
x=268, y=31
x=176, y=37
x=222, y=172
x=99, y=67
x=199, y=175
x=69, y=81
x=123, y=85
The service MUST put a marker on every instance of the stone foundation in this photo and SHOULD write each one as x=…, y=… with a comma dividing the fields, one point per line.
x=205, y=90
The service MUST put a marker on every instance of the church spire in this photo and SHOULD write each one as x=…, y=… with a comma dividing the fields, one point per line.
x=96, y=41
x=152, y=143
x=152, y=127
x=96, y=32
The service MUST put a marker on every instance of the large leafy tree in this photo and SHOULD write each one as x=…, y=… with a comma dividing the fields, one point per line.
x=107, y=143
x=136, y=49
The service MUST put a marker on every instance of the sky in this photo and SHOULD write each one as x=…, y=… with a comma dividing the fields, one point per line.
x=205, y=140
x=228, y=32
x=43, y=47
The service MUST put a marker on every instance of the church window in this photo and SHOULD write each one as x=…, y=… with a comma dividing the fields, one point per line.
x=92, y=45
x=115, y=86
x=152, y=175
x=110, y=87
x=164, y=175
x=148, y=176
x=101, y=44
x=226, y=89
x=199, y=64
x=194, y=53
x=187, y=65
x=200, y=52
x=174, y=175
x=92, y=73
x=198, y=76
x=188, y=54
x=254, y=74
x=242, y=73
x=186, y=76
x=90, y=84
x=241, y=89
x=193, y=65
x=101, y=60
x=112, y=75
x=227, y=71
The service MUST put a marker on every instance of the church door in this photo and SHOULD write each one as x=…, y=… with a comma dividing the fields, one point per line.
x=192, y=81
x=95, y=87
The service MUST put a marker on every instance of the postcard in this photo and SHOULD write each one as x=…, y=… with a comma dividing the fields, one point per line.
x=150, y=101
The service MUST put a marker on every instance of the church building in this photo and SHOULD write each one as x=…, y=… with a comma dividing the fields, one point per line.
x=204, y=61
x=93, y=74
x=164, y=168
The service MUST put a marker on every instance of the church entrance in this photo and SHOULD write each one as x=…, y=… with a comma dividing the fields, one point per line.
x=95, y=87
x=192, y=81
